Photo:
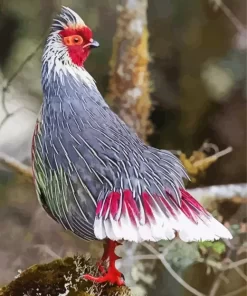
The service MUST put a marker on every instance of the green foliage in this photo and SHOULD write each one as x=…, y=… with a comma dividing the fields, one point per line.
x=218, y=247
x=212, y=250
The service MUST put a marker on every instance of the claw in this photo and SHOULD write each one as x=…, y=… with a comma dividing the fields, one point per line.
x=113, y=276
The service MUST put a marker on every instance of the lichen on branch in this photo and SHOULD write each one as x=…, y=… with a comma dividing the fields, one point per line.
x=129, y=85
x=197, y=164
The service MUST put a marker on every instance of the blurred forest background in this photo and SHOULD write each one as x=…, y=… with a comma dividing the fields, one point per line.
x=197, y=83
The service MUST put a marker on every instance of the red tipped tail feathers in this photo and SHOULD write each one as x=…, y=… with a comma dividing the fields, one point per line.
x=120, y=216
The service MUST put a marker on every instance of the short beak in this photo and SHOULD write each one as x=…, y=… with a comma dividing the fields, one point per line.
x=94, y=44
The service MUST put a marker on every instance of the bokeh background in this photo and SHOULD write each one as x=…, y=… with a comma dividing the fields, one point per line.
x=198, y=91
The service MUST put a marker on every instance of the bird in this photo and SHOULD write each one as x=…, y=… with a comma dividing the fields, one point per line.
x=92, y=173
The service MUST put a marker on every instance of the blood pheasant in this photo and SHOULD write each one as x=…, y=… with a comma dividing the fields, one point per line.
x=92, y=173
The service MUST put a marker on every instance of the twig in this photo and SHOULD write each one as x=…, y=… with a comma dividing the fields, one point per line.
x=171, y=271
x=222, y=266
x=24, y=62
x=216, y=285
x=234, y=20
x=206, y=146
x=8, y=82
x=235, y=266
x=241, y=273
x=15, y=165
x=213, y=157
x=228, y=13
x=144, y=257
x=233, y=293
x=7, y=117
x=217, y=265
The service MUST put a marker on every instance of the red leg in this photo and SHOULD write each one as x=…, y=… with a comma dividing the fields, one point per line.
x=112, y=275
x=104, y=257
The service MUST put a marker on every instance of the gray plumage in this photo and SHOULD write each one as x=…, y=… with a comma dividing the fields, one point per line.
x=82, y=152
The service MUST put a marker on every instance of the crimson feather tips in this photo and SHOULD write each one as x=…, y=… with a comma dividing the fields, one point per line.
x=155, y=217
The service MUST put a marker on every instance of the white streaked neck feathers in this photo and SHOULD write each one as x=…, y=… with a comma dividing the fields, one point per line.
x=57, y=62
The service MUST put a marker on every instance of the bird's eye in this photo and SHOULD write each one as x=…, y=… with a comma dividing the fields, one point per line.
x=73, y=40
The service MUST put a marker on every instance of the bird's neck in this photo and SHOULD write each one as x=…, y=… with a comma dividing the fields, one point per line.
x=56, y=70
x=61, y=81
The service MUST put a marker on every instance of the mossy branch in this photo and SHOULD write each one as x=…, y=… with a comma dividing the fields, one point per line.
x=62, y=277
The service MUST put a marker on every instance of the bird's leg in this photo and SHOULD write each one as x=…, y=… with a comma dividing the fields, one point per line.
x=104, y=257
x=112, y=275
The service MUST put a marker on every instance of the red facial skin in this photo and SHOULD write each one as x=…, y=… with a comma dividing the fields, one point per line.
x=78, y=53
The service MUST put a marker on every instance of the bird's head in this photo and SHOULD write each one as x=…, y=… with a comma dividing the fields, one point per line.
x=70, y=40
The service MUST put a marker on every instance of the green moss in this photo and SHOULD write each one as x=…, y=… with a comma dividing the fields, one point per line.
x=62, y=277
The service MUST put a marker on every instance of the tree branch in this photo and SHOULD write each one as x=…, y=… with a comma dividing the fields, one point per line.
x=228, y=13
x=216, y=284
x=224, y=266
x=16, y=166
x=218, y=192
x=7, y=83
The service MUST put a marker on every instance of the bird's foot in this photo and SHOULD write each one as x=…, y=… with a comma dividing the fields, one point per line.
x=112, y=276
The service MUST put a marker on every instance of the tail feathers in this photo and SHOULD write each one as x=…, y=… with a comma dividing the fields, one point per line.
x=154, y=218
x=206, y=229
x=196, y=224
